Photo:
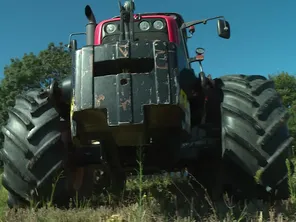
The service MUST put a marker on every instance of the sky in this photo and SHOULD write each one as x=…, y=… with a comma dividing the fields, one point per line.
x=263, y=32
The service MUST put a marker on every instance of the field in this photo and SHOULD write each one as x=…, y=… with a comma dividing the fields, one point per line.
x=158, y=199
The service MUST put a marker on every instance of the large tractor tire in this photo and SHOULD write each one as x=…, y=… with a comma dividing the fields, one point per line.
x=255, y=135
x=32, y=151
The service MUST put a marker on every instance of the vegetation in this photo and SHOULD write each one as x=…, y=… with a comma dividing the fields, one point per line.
x=285, y=83
x=32, y=71
x=145, y=199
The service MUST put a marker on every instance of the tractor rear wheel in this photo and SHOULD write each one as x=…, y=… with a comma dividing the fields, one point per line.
x=255, y=134
x=33, y=151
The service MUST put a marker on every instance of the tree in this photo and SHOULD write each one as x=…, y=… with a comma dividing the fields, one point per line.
x=286, y=86
x=32, y=71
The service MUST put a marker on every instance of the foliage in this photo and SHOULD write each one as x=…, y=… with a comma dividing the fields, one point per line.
x=32, y=71
x=285, y=84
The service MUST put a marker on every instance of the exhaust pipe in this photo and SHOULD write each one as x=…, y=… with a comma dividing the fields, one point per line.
x=90, y=27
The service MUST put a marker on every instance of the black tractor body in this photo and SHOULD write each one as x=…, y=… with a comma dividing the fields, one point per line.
x=128, y=89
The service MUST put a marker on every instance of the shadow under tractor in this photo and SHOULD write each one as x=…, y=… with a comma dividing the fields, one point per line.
x=132, y=86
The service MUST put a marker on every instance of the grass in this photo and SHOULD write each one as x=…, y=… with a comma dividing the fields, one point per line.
x=158, y=198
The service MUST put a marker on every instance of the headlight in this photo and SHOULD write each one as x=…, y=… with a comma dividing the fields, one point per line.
x=158, y=25
x=110, y=28
x=144, y=26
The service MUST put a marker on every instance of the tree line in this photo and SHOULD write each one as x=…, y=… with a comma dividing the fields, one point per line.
x=55, y=62
x=32, y=71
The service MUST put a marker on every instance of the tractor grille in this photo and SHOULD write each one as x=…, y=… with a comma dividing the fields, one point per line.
x=138, y=36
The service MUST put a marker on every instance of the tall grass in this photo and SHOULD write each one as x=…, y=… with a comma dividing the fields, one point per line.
x=158, y=198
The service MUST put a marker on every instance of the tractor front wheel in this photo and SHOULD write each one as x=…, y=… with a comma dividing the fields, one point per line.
x=33, y=151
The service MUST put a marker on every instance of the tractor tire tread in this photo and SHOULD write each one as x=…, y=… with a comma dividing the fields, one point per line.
x=32, y=150
x=254, y=127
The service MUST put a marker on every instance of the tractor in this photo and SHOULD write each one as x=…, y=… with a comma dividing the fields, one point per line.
x=132, y=87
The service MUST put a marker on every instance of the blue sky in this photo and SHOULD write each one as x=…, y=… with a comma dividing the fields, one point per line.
x=263, y=37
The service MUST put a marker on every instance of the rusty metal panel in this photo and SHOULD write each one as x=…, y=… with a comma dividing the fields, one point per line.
x=123, y=50
x=105, y=97
x=174, y=73
x=161, y=72
x=124, y=95
x=83, y=84
x=144, y=93
x=76, y=83
x=124, y=98
x=87, y=78
x=142, y=49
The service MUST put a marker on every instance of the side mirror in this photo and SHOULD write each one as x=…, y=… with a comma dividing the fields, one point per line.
x=223, y=29
x=73, y=45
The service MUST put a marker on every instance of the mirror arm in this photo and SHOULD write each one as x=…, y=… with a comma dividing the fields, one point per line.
x=76, y=33
x=204, y=21
x=192, y=60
